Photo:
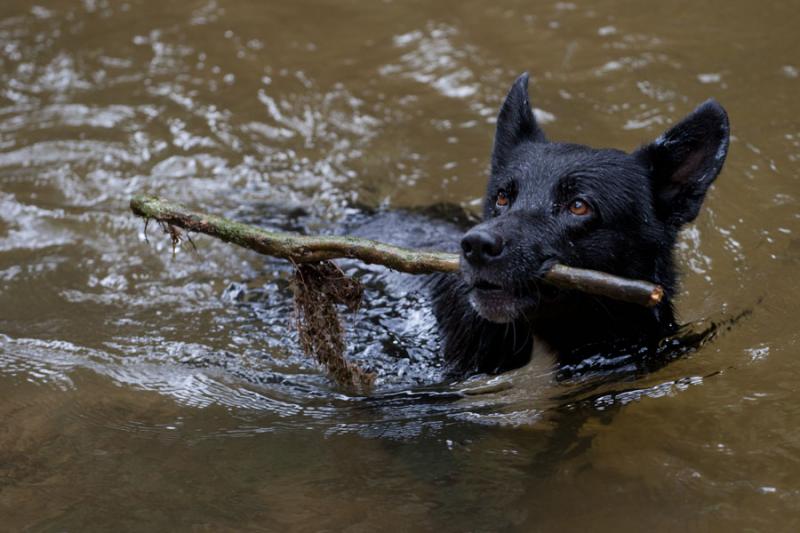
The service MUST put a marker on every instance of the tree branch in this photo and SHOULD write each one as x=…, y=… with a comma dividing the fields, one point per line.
x=313, y=249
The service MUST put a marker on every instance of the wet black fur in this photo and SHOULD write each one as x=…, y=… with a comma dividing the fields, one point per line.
x=638, y=203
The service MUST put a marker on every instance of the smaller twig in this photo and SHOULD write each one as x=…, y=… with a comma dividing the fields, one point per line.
x=190, y=241
x=146, y=223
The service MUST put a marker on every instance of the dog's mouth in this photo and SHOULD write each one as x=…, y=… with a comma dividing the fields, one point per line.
x=498, y=303
x=485, y=285
x=501, y=295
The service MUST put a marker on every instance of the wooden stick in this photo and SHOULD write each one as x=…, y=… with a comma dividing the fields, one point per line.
x=313, y=249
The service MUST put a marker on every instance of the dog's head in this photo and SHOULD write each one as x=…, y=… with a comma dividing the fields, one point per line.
x=603, y=209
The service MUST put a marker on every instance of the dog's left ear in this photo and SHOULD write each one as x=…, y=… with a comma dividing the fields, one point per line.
x=685, y=160
x=515, y=123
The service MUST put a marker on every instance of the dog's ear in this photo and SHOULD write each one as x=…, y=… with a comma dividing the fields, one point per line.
x=515, y=123
x=685, y=160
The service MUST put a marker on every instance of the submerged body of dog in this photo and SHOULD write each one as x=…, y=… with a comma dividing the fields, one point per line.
x=601, y=209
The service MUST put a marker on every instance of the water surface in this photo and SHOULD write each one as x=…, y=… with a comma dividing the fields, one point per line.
x=142, y=391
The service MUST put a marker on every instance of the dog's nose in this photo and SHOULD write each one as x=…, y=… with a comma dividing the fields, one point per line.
x=480, y=246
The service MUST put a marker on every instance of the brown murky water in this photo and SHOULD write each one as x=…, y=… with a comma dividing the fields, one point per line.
x=142, y=392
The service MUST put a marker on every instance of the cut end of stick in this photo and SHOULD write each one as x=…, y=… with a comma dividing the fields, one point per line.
x=656, y=296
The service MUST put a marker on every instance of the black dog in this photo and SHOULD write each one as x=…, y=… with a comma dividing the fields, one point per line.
x=603, y=209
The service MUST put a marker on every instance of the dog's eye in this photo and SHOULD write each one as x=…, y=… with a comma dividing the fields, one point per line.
x=579, y=208
x=502, y=199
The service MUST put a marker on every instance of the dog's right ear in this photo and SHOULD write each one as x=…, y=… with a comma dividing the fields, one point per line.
x=685, y=160
x=515, y=123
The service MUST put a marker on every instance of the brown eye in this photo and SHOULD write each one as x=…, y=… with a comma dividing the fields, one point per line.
x=502, y=199
x=579, y=207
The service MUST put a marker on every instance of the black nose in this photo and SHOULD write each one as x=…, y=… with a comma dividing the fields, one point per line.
x=480, y=246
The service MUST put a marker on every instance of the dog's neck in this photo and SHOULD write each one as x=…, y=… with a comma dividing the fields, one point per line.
x=595, y=325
